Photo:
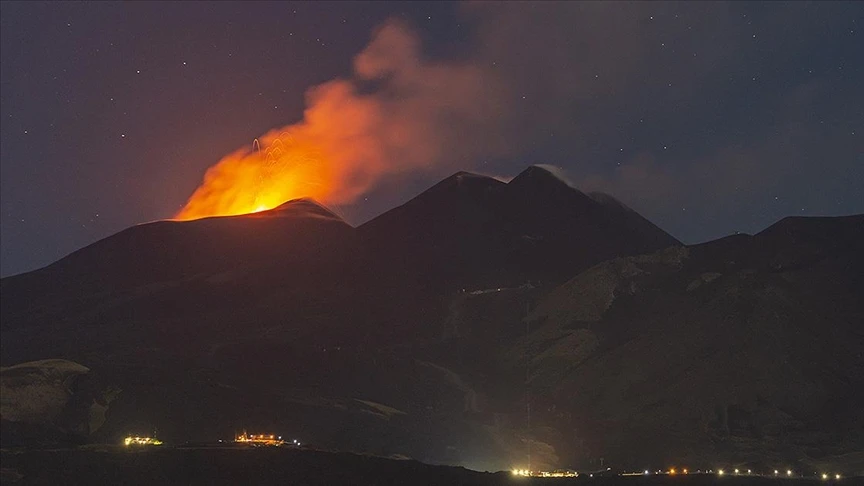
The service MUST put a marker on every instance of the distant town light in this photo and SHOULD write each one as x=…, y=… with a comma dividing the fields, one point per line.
x=824, y=476
x=720, y=472
x=788, y=472
x=646, y=472
x=258, y=440
x=836, y=476
x=141, y=441
x=736, y=471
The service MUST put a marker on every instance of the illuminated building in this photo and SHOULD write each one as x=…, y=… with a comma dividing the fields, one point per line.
x=259, y=440
x=134, y=440
x=558, y=473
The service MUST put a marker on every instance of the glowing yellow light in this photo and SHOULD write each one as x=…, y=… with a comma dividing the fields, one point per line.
x=672, y=471
x=824, y=476
x=736, y=471
x=836, y=476
x=259, y=440
x=684, y=471
x=135, y=440
x=788, y=472
x=720, y=472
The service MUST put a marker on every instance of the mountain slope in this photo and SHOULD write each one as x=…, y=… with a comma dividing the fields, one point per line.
x=747, y=348
x=406, y=335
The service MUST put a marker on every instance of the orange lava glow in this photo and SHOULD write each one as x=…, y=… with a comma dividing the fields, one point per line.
x=255, y=180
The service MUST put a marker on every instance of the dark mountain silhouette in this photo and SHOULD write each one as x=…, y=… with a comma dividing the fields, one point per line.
x=536, y=227
x=407, y=335
x=172, y=250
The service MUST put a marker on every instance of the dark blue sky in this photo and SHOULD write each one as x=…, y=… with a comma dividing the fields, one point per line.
x=706, y=118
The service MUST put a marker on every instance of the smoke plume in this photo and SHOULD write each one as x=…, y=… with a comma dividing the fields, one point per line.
x=398, y=113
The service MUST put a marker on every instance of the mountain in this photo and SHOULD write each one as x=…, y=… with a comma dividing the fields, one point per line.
x=174, y=250
x=748, y=348
x=534, y=228
x=408, y=335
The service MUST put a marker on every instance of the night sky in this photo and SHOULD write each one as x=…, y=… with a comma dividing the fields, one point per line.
x=706, y=118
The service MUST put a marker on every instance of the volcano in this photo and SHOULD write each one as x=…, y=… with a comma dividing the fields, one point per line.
x=407, y=335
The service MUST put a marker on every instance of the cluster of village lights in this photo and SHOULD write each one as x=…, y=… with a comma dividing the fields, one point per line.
x=737, y=472
x=134, y=440
x=671, y=471
x=262, y=439
x=244, y=438
x=545, y=474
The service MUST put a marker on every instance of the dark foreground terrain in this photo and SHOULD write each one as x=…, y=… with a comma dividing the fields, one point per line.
x=166, y=466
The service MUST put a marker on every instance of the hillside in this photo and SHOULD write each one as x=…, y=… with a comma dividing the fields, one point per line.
x=749, y=348
x=408, y=335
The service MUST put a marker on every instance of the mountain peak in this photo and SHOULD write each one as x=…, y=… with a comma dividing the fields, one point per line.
x=464, y=177
x=548, y=183
x=543, y=176
x=304, y=207
x=464, y=183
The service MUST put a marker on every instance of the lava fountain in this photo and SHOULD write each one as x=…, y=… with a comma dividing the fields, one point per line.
x=276, y=169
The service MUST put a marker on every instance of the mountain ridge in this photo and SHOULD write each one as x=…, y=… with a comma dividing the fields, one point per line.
x=300, y=323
